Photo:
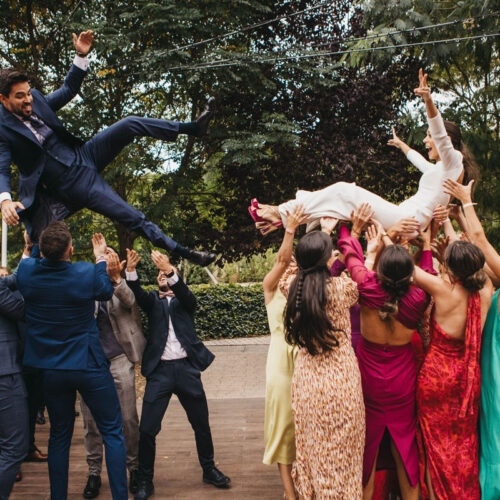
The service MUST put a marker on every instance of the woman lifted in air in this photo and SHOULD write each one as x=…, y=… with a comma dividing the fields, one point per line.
x=445, y=146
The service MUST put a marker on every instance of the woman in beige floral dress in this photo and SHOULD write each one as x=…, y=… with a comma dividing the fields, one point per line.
x=327, y=398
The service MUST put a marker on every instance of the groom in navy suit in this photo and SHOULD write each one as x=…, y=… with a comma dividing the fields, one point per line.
x=60, y=174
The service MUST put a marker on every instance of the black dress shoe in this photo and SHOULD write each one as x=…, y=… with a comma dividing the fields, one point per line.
x=214, y=476
x=92, y=488
x=133, y=482
x=200, y=258
x=144, y=491
x=204, y=119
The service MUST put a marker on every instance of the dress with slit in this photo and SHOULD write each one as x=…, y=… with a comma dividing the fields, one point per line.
x=448, y=394
x=388, y=372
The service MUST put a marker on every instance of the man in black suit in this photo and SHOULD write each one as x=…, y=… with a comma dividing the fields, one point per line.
x=14, y=428
x=59, y=173
x=171, y=363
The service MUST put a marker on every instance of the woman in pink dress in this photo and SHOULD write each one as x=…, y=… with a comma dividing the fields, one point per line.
x=391, y=308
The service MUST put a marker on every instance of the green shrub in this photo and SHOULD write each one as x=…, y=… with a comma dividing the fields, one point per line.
x=227, y=311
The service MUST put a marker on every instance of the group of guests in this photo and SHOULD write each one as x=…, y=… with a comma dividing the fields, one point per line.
x=77, y=324
x=386, y=358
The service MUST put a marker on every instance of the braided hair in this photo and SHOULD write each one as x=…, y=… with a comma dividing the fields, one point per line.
x=305, y=318
x=394, y=272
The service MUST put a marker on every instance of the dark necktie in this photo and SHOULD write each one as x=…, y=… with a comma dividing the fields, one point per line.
x=44, y=130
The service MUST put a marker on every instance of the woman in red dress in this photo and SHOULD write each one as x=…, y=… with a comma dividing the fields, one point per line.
x=448, y=385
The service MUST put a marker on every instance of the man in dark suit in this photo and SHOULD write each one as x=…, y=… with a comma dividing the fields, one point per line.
x=14, y=428
x=59, y=174
x=171, y=363
x=62, y=339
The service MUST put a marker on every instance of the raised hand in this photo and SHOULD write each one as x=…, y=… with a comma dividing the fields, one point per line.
x=397, y=142
x=458, y=191
x=360, y=218
x=99, y=245
x=373, y=236
x=296, y=217
x=161, y=261
x=83, y=42
x=133, y=259
x=114, y=267
x=407, y=225
x=439, y=246
x=423, y=90
x=441, y=214
x=328, y=224
x=9, y=213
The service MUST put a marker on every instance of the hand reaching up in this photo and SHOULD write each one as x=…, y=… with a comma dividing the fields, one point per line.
x=423, y=90
x=408, y=225
x=296, y=217
x=133, y=259
x=328, y=224
x=99, y=245
x=114, y=267
x=360, y=218
x=161, y=261
x=458, y=191
x=83, y=42
x=373, y=236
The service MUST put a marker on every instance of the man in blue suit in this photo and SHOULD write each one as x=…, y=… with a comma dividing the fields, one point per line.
x=62, y=339
x=14, y=428
x=60, y=174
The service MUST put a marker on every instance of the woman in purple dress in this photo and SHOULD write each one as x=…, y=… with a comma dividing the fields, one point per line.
x=390, y=311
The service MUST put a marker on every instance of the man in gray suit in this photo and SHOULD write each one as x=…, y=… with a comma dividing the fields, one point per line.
x=123, y=342
x=14, y=434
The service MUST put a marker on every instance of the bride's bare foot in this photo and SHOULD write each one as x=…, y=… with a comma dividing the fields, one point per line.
x=269, y=213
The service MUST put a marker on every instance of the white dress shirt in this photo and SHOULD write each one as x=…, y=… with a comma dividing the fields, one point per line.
x=79, y=62
x=173, y=348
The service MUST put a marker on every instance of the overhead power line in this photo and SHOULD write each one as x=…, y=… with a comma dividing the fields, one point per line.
x=247, y=28
x=228, y=63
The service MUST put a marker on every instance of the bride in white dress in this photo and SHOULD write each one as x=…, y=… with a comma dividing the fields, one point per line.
x=445, y=146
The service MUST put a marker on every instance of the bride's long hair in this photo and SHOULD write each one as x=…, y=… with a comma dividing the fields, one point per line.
x=471, y=169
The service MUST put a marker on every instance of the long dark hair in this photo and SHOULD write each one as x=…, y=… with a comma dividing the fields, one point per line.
x=394, y=271
x=306, y=320
x=466, y=261
x=471, y=169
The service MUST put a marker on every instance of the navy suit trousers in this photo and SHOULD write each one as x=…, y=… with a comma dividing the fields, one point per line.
x=14, y=434
x=178, y=377
x=97, y=388
x=81, y=185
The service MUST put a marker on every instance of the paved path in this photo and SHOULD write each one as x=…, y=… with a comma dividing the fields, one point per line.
x=235, y=385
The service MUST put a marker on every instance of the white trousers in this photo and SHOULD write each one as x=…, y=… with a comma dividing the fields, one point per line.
x=340, y=199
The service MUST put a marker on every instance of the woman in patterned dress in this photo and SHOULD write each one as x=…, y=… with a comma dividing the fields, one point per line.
x=448, y=384
x=327, y=399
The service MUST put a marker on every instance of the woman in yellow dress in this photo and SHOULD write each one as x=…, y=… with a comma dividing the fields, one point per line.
x=279, y=430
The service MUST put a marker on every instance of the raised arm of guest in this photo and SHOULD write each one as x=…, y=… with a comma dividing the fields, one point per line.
x=121, y=290
x=271, y=281
x=413, y=156
x=406, y=226
x=144, y=299
x=476, y=231
x=103, y=289
x=442, y=216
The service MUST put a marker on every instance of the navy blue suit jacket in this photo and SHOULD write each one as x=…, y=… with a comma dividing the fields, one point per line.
x=19, y=145
x=11, y=313
x=61, y=330
x=181, y=311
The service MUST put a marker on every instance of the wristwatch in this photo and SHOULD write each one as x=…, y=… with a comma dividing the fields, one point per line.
x=170, y=274
x=81, y=54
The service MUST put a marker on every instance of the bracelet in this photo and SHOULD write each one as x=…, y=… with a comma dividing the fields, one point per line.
x=170, y=274
x=446, y=220
x=100, y=257
x=369, y=261
x=289, y=231
x=470, y=204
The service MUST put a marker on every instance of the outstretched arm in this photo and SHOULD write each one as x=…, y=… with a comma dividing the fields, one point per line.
x=413, y=156
x=73, y=81
x=284, y=256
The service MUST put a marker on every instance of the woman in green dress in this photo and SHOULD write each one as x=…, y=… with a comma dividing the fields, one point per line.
x=279, y=430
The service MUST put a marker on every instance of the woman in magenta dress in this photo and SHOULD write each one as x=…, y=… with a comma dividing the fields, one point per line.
x=449, y=385
x=390, y=311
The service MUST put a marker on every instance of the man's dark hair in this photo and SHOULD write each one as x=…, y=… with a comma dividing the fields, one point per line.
x=9, y=77
x=55, y=240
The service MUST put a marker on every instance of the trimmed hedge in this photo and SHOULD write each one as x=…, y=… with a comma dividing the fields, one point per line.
x=227, y=311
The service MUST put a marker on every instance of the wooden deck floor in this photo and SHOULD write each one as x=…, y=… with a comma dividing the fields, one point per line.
x=237, y=429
